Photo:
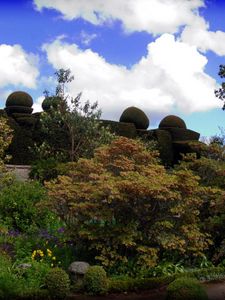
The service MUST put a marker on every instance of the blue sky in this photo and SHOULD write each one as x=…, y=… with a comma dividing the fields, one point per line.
x=162, y=56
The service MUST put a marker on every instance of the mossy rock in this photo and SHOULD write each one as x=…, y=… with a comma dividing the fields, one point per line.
x=172, y=121
x=122, y=129
x=186, y=288
x=182, y=134
x=18, y=109
x=19, y=98
x=50, y=102
x=136, y=116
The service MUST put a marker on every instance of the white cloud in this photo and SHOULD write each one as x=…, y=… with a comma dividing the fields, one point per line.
x=17, y=67
x=153, y=16
x=198, y=34
x=170, y=77
x=37, y=104
x=87, y=38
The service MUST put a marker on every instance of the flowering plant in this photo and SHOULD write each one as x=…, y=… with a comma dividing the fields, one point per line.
x=45, y=256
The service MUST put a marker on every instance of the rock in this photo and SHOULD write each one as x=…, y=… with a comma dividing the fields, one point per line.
x=77, y=269
x=24, y=266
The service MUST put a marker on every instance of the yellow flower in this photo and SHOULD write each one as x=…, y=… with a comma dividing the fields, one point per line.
x=53, y=258
x=49, y=252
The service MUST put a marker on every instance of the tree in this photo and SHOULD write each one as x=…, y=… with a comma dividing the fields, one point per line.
x=76, y=125
x=220, y=93
x=123, y=204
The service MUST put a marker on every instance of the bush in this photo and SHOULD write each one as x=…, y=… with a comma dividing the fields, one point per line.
x=186, y=288
x=172, y=121
x=95, y=281
x=19, y=98
x=44, y=169
x=126, y=206
x=136, y=116
x=58, y=283
x=33, y=278
x=10, y=285
x=18, y=205
x=119, y=285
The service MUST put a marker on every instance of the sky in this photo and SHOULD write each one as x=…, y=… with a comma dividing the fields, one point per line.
x=161, y=56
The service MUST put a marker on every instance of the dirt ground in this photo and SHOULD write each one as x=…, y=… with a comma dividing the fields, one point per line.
x=215, y=291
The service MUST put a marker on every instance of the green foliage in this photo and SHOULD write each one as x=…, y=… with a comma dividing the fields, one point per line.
x=18, y=109
x=220, y=93
x=19, y=98
x=5, y=136
x=135, y=115
x=123, y=204
x=165, y=268
x=164, y=140
x=34, y=276
x=95, y=281
x=72, y=129
x=22, y=143
x=172, y=121
x=51, y=103
x=10, y=285
x=186, y=288
x=126, y=284
x=45, y=169
x=58, y=283
x=120, y=128
x=18, y=205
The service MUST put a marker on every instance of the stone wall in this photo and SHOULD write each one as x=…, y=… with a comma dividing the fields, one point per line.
x=21, y=171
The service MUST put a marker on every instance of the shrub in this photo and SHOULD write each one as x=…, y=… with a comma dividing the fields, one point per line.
x=44, y=169
x=5, y=136
x=19, y=98
x=18, y=205
x=34, y=275
x=135, y=115
x=186, y=288
x=58, y=283
x=95, y=280
x=125, y=205
x=172, y=121
x=51, y=103
x=10, y=286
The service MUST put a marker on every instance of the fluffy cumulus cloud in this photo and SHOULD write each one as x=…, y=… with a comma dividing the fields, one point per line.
x=198, y=34
x=170, y=77
x=155, y=16
x=17, y=67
